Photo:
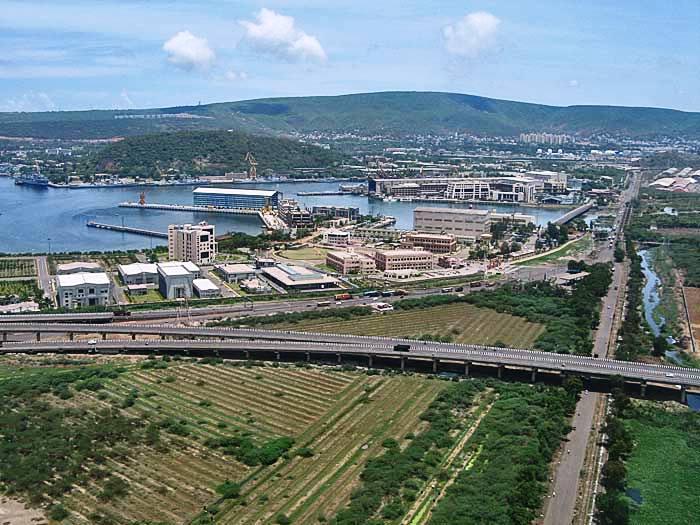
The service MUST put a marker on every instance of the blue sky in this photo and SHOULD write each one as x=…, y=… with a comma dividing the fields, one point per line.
x=85, y=54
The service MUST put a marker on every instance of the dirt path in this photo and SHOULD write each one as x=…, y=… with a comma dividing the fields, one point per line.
x=13, y=512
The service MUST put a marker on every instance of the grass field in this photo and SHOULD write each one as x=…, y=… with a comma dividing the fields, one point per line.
x=692, y=296
x=665, y=467
x=23, y=289
x=305, y=254
x=462, y=323
x=343, y=417
x=151, y=296
x=22, y=267
x=575, y=248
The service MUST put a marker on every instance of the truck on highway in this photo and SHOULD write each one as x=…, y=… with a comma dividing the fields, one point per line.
x=343, y=296
x=372, y=293
x=323, y=303
x=402, y=348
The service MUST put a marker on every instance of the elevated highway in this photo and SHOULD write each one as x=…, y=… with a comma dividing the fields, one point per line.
x=247, y=343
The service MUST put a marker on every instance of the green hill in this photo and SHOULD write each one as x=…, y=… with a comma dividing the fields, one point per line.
x=390, y=112
x=206, y=152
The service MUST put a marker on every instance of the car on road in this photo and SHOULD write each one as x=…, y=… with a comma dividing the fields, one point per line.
x=92, y=342
x=670, y=375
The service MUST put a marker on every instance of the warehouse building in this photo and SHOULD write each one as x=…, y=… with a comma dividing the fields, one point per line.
x=236, y=198
x=78, y=267
x=233, y=273
x=205, y=289
x=138, y=273
x=298, y=278
x=433, y=242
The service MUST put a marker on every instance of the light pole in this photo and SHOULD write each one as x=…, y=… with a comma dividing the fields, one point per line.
x=49, y=240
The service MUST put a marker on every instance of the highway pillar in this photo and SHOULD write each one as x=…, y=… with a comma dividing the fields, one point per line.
x=684, y=396
x=466, y=368
x=369, y=360
x=435, y=364
x=104, y=336
x=162, y=337
x=38, y=336
x=277, y=356
x=70, y=336
x=4, y=337
x=403, y=363
x=133, y=337
x=533, y=375
x=643, y=388
x=247, y=354
x=500, y=371
x=340, y=359
x=308, y=356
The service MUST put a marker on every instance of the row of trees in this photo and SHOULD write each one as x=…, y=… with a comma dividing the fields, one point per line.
x=634, y=338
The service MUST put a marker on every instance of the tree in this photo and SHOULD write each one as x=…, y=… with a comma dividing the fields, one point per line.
x=660, y=346
x=612, y=510
x=573, y=385
x=614, y=476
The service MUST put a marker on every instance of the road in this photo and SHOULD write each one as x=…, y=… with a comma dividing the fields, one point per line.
x=561, y=505
x=42, y=266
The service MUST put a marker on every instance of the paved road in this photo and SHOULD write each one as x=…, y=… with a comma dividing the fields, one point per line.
x=561, y=507
x=42, y=266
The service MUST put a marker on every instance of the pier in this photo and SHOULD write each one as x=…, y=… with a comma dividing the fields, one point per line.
x=270, y=219
x=127, y=229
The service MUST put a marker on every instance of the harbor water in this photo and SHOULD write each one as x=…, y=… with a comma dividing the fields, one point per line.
x=32, y=217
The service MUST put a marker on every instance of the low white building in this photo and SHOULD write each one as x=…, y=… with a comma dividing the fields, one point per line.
x=233, y=273
x=336, y=237
x=175, y=279
x=138, y=273
x=78, y=267
x=83, y=289
x=204, y=288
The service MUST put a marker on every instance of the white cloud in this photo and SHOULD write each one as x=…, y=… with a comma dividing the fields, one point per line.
x=235, y=75
x=278, y=35
x=30, y=101
x=188, y=51
x=471, y=35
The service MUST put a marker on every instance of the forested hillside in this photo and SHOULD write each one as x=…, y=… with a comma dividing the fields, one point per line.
x=398, y=113
x=206, y=152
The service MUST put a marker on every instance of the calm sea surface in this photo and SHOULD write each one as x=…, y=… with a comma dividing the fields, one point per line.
x=30, y=216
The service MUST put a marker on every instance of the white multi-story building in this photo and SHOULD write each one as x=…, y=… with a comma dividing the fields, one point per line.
x=83, y=289
x=192, y=242
x=336, y=237
x=465, y=224
x=388, y=260
x=350, y=262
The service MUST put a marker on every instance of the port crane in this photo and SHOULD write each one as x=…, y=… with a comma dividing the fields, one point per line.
x=252, y=166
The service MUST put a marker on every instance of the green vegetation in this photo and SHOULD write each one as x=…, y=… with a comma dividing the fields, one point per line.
x=388, y=112
x=204, y=152
x=568, y=318
x=508, y=455
x=22, y=290
x=17, y=268
x=236, y=240
x=635, y=341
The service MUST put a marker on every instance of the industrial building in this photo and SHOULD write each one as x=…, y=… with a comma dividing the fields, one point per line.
x=205, y=289
x=294, y=216
x=78, y=267
x=433, y=242
x=236, y=198
x=465, y=224
x=233, y=273
x=351, y=213
x=350, y=262
x=298, y=278
x=192, y=242
x=138, y=273
x=174, y=282
x=83, y=289
x=388, y=260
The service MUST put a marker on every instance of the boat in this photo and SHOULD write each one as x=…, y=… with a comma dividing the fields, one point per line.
x=32, y=180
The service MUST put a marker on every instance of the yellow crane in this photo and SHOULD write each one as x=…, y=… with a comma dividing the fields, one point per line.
x=252, y=166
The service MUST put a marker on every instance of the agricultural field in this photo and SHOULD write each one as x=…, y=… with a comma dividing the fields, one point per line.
x=692, y=296
x=664, y=466
x=286, y=440
x=17, y=267
x=21, y=289
x=458, y=322
x=575, y=249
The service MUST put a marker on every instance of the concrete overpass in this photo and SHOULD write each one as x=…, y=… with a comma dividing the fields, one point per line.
x=282, y=345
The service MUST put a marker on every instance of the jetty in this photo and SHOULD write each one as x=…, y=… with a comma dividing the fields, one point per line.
x=127, y=229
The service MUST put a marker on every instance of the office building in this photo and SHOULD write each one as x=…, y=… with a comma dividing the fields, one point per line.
x=336, y=237
x=350, y=262
x=294, y=216
x=465, y=224
x=138, y=273
x=433, y=242
x=175, y=281
x=83, y=289
x=388, y=260
x=192, y=242
x=236, y=198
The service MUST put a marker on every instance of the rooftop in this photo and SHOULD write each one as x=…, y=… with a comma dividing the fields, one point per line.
x=405, y=253
x=205, y=285
x=236, y=191
x=291, y=275
x=236, y=268
x=77, y=266
x=187, y=265
x=137, y=268
x=460, y=211
x=83, y=278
